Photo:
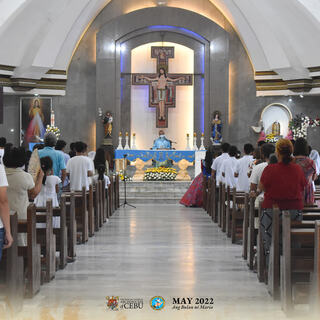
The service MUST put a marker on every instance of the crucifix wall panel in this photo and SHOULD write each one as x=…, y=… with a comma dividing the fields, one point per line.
x=162, y=85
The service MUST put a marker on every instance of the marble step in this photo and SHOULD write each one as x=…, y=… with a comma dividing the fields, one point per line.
x=154, y=191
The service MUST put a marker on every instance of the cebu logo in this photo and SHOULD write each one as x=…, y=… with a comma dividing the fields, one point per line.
x=157, y=303
x=112, y=303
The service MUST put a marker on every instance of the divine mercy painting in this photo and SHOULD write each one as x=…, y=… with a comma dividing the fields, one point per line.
x=34, y=117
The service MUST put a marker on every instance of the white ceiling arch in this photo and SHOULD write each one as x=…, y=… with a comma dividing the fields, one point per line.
x=39, y=35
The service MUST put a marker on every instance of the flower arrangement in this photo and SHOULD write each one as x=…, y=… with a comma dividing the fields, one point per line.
x=160, y=174
x=123, y=176
x=299, y=125
x=271, y=138
x=53, y=129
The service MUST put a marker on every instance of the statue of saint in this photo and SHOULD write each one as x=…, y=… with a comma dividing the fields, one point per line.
x=107, y=120
x=216, y=128
x=276, y=128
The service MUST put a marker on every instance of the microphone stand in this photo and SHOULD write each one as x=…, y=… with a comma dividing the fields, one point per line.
x=125, y=203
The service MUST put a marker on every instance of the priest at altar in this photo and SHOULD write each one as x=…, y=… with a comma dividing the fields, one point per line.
x=162, y=142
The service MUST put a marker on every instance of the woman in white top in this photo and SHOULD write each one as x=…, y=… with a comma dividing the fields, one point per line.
x=21, y=185
x=50, y=185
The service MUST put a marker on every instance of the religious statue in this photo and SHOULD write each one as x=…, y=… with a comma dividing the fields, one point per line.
x=216, y=128
x=276, y=128
x=161, y=89
x=36, y=127
x=107, y=120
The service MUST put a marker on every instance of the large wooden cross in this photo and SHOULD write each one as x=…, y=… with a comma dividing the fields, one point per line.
x=162, y=99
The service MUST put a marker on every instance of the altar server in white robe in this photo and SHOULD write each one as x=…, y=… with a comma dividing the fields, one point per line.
x=242, y=168
x=218, y=161
x=228, y=168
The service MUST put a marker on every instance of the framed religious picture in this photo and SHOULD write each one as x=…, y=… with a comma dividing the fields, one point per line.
x=34, y=117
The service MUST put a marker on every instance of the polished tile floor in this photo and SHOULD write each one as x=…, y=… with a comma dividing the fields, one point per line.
x=165, y=250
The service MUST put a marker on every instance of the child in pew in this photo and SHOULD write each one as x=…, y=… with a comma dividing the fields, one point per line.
x=101, y=168
x=49, y=190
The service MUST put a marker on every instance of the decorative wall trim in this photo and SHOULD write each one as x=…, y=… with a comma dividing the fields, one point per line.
x=54, y=80
x=270, y=81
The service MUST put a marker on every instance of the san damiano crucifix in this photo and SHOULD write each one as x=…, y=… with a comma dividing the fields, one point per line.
x=162, y=85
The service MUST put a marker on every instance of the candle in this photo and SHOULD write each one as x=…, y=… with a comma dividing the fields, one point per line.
x=195, y=135
x=120, y=134
x=202, y=134
x=127, y=134
x=188, y=135
x=134, y=134
x=52, y=118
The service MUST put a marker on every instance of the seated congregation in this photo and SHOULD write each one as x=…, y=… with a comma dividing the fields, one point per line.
x=268, y=201
x=44, y=216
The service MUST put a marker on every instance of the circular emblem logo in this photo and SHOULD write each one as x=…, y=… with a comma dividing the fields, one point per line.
x=157, y=303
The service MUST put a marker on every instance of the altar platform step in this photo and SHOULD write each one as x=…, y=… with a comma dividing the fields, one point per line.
x=154, y=191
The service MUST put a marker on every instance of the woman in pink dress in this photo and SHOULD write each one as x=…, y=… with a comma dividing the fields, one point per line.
x=194, y=195
x=308, y=166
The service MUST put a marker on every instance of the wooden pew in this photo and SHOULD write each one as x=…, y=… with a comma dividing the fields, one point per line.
x=223, y=207
x=90, y=211
x=274, y=259
x=104, y=203
x=81, y=215
x=209, y=202
x=204, y=192
x=115, y=196
x=227, y=213
x=261, y=259
x=31, y=252
x=47, y=240
x=96, y=206
x=103, y=213
x=300, y=263
x=12, y=272
x=109, y=208
x=214, y=200
x=220, y=205
x=239, y=203
x=71, y=223
x=61, y=234
x=117, y=191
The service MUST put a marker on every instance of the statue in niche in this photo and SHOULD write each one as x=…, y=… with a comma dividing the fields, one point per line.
x=216, y=137
x=107, y=120
x=276, y=128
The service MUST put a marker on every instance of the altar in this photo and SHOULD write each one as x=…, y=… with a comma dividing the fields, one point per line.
x=141, y=158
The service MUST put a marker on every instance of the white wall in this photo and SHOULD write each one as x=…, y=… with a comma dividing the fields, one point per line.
x=143, y=118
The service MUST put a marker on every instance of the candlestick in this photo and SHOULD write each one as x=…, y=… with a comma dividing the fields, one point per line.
x=202, y=148
x=133, y=142
x=52, y=118
x=126, y=147
x=120, y=142
x=195, y=147
x=188, y=142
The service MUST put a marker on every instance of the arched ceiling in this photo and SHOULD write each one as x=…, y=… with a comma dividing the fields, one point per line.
x=282, y=36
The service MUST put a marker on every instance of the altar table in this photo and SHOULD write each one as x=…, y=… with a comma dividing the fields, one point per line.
x=182, y=158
